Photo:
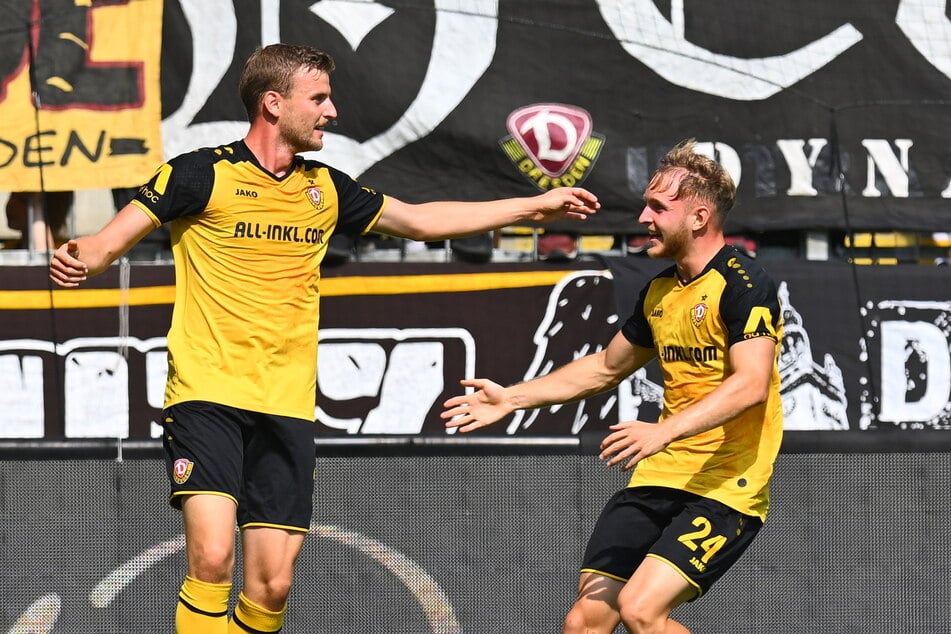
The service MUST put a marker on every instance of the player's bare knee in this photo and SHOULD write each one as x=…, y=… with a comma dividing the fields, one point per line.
x=211, y=563
x=582, y=621
x=574, y=622
x=271, y=593
x=639, y=619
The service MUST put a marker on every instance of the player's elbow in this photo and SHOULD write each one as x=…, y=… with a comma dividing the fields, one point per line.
x=422, y=234
x=757, y=394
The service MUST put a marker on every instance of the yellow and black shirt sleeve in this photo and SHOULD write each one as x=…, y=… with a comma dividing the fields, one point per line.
x=180, y=187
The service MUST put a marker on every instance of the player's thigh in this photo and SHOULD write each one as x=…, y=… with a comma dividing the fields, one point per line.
x=279, y=463
x=203, y=450
x=629, y=524
x=270, y=553
x=209, y=536
x=704, y=540
x=655, y=589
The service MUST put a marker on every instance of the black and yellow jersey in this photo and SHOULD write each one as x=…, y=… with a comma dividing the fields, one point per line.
x=247, y=247
x=691, y=326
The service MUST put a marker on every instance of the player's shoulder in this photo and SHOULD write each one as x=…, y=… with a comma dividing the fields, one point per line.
x=738, y=268
x=235, y=152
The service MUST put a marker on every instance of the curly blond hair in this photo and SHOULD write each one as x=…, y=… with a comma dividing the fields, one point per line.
x=706, y=180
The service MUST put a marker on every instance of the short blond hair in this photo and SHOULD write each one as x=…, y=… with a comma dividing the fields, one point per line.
x=273, y=68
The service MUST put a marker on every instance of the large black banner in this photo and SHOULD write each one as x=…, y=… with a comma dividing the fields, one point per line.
x=827, y=114
x=865, y=349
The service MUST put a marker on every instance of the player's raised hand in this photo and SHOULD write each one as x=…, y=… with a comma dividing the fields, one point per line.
x=574, y=203
x=66, y=269
x=480, y=408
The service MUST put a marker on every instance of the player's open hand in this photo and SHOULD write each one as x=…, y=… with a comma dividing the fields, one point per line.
x=66, y=269
x=574, y=203
x=480, y=408
x=633, y=441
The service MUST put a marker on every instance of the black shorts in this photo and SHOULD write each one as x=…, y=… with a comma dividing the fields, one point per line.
x=265, y=463
x=698, y=536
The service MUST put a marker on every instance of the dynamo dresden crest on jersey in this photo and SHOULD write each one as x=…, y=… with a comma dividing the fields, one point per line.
x=698, y=313
x=182, y=469
x=316, y=197
x=552, y=144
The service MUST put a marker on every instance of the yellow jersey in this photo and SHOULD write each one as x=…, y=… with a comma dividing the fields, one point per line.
x=247, y=247
x=692, y=326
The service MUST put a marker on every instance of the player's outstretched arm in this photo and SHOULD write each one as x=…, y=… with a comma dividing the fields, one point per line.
x=80, y=258
x=451, y=219
x=481, y=408
x=583, y=377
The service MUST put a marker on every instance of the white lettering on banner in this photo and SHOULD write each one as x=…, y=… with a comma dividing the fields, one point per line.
x=539, y=124
x=96, y=384
x=925, y=24
x=402, y=371
x=725, y=155
x=463, y=47
x=916, y=364
x=40, y=617
x=21, y=395
x=660, y=44
x=94, y=389
x=894, y=170
x=649, y=37
x=214, y=29
x=353, y=20
x=388, y=381
x=881, y=159
x=914, y=348
x=801, y=166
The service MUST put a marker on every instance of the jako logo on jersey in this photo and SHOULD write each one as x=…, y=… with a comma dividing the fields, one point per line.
x=698, y=313
x=245, y=192
x=316, y=197
x=552, y=144
x=182, y=469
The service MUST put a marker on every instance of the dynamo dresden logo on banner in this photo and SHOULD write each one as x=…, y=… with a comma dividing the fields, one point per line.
x=552, y=144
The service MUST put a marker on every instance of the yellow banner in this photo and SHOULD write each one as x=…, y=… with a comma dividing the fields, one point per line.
x=80, y=102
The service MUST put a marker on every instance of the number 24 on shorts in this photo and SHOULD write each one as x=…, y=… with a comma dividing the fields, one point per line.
x=701, y=540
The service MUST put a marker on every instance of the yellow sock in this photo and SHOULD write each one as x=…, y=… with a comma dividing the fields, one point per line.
x=202, y=607
x=251, y=617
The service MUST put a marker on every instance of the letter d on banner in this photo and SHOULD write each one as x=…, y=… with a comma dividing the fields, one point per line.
x=916, y=371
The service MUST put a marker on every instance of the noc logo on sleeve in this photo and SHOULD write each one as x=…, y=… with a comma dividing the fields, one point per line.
x=552, y=144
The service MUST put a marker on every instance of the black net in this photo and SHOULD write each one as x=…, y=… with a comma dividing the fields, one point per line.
x=479, y=544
